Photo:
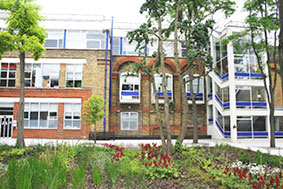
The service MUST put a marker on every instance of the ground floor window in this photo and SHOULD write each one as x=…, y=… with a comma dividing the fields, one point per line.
x=129, y=121
x=41, y=115
x=251, y=126
x=6, y=109
x=279, y=123
x=72, y=116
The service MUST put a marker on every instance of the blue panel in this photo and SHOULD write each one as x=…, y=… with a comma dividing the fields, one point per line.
x=226, y=104
x=238, y=74
x=161, y=94
x=145, y=46
x=130, y=93
x=256, y=75
x=259, y=104
x=218, y=100
x=243, y=103
x=210, y=120
x=225, y=133
x=248, y=134
x=260, y=133
x=198, y=95
x=226, y=76
x=278, y=133
x=210, y=95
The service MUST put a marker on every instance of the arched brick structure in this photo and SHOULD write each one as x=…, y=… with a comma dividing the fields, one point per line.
x=167, y=61
x=124, y=60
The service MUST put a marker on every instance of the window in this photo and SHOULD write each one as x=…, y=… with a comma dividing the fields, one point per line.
x=221, y=59
x=41, y=115
x=251, y=126
x=168, y=47
x=250, y=97
x=76, y=39
x=74, y=75
x=116, y=46
x=72, y=116
x=197, y=89
x=129, y=88
x=223, y=121
x=6, y=108
x=54, y=39
x=222, y=96
x=279, y=124
x=130, y=48
x=158, y=85
x=129, y=121
x=42, y=75
x=7, y=74
x=95, y=40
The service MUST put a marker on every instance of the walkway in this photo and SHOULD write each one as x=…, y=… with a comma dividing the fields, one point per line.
x=254, y=145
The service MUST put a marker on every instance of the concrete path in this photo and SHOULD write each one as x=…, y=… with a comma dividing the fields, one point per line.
x=252, y=144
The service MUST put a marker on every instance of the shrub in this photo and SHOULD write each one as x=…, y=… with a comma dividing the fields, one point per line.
x=78, y=177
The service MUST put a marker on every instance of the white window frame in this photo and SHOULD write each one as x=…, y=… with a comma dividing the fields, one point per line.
x=56, y=38
x=195, y=82
x=134, y=80
x=159, y=84
x=74, y=72
x=101, y=41
x=129, y=118
x=28, y=110
x=8, y=71
x=72, y=113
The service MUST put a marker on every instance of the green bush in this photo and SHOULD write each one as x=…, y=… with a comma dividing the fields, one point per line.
x=78, y=177
x=97, y=176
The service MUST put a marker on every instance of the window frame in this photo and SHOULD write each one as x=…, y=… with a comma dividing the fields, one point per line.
x=161, y=99
x=8, y=71
x=28, y=111
x=72, y=112
x=130, y=82
x=129, y=120
x=73, y=76
x=198, y=101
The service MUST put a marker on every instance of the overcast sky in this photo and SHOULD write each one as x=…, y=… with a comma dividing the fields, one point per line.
x=121, y=10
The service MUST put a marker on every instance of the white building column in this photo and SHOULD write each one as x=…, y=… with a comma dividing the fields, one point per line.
x=232, y=92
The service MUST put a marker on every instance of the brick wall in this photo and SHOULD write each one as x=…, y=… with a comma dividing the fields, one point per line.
x=147, y=123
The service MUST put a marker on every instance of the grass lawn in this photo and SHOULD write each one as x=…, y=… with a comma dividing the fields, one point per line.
x=110, y=166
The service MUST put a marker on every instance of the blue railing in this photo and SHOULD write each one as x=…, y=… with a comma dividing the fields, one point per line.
x=252, y=75
x=224, y=105
x=162, y=95
x=198, y=95
x=251, y=104
x=224, y=133
x=223, y=77
x=209, y=95
x=210, y=120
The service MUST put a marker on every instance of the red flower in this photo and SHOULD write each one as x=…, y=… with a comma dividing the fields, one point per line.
x=250, y=177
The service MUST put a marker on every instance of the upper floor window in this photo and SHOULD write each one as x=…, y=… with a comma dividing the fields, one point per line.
x=222, y=96
x=54, y=39
x=7, y=74
x=74, y=75
x=42, y=75
x=168, y=47
x=41, y=115
x=129, y=121
x=221, y=59
x=95, y=40
x=250, y=97
x=129, y=87
x=72, y=116
x=197, y=88
x=158, y=86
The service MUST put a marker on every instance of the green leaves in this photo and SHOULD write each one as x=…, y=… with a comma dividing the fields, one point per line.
x=24, y=32
x=93, y=109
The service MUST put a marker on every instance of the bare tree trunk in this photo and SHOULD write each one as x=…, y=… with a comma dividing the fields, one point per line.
x=20, y=117
x=195, y=119
x=95, y=133
x=272, y=126
x=281, y=41
x=164, y=90
x=180, y=78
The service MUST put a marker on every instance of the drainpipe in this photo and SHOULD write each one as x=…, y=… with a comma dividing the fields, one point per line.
x=121, y=45
x=105, y=80
x=111, y=62
x=64, y=42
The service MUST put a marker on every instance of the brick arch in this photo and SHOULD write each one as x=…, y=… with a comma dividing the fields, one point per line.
x=124, y=60
x=167, y=61
x=183, y=64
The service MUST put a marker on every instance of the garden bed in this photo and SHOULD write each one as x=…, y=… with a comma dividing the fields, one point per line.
x=110, y=166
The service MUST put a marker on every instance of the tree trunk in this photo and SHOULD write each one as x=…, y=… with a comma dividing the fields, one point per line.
x=20, y=117
x=180, y=78
x=195, y=120
x=272, y=126
x=164, y=89
x=95, y=133
x=281, y=41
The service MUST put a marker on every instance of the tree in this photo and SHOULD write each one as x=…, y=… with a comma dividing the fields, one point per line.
x=23, y=34
x=281, y=40
x=193, y=22
x=93, y=111
x=262, y=22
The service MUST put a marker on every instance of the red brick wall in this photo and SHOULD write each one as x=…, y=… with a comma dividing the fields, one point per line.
x=60, y=132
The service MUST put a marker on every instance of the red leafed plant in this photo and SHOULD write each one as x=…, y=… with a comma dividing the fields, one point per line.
x=118, y=151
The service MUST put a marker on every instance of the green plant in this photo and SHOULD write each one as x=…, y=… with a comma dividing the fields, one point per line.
x=78, y=177
x=178, y=146
x=113, y=171
x=97, y=176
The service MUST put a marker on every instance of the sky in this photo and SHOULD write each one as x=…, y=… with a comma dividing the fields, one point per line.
x=121, y=10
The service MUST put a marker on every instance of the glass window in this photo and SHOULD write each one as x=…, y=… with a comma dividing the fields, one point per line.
x=74, y=75
x=129, y=121
x=259, y=123
x=6, y=108
x=72, y=116
x=116, y=46
x=279, y=123
x=243, y=94
x=197, y=87
x=54, y=39
x=40, y=115
x=7, y=74
x=158, y=85
x=244, y=124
